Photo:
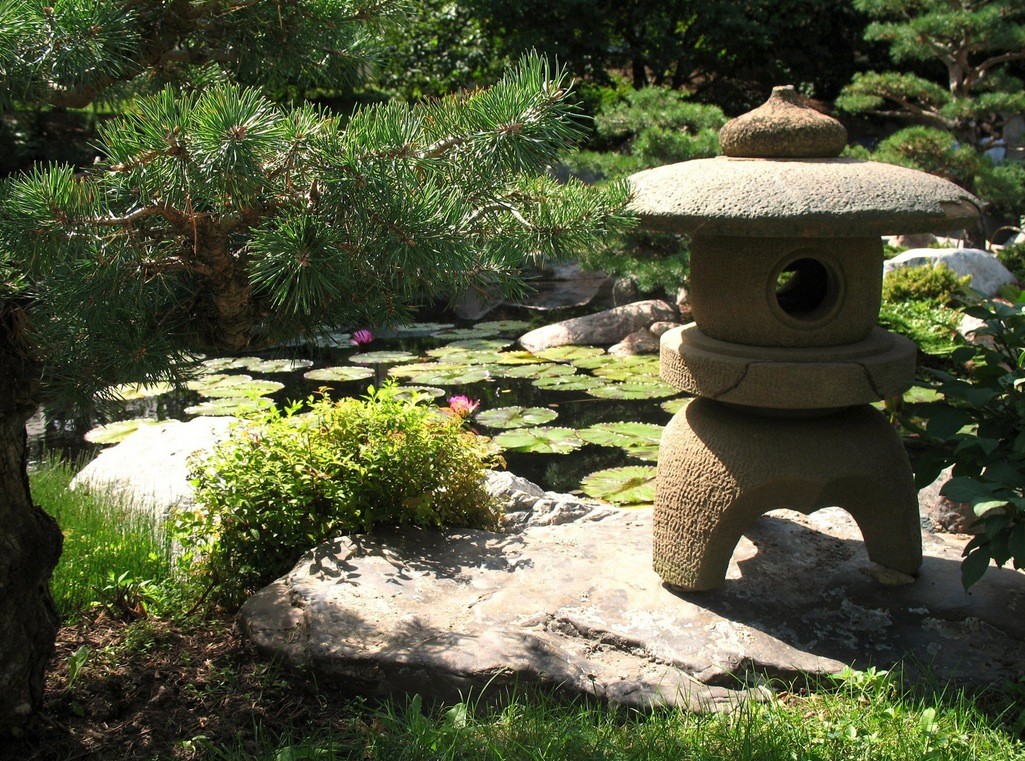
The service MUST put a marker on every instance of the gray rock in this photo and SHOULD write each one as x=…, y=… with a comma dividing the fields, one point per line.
x=968, y=327
x=150, y=467
x=566, y=286
x=605, y=328
x=940, y=513
x=577, y=605
x=988, y=274
x=658, y=328
x=643, y=341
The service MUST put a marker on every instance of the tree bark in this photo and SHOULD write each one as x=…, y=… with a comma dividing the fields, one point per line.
x=30, y=541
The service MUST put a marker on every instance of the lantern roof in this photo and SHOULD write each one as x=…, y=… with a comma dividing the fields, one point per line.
x=781, y=176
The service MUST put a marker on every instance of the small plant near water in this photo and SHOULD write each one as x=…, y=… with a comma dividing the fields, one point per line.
x=978, y=427
x=285, y=482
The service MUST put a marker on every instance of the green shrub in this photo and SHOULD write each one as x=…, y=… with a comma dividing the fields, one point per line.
x=1013, y=257
x=285, y=482
x=979, y=428
x=937, y=285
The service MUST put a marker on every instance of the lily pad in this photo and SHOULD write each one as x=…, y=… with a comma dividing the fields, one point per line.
x=233, y=385
x=516, y=417
x=465, y=356
x=406, y=392
x=540, y=440
x=112, y=433
x=629, y=485
x=573, y=382
x=223, y=364
x=504, y=326
x=230, y=405
x=645, y=370
x=129, y=391
x=569, y=353
x=640, y=440
x=672, y=406
x=544, y=370
x=382, y=357
x=341, y=373
x=417, y=329
x=519, y=358
x=633, y=390
x=454, y=377
x=271, y=366
x=418, y=368
x=479, y=344
x=476, y=331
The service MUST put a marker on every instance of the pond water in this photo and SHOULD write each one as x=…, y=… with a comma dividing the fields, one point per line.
x=581, y=411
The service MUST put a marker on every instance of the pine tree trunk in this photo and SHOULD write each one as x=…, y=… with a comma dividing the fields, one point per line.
x=30, y=543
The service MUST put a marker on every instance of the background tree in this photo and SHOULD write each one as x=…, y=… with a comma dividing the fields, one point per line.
x=964, y=88
x=217, y=218
x=972, y=42
x=734, y=51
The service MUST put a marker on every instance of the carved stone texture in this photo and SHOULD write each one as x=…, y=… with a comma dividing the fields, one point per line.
x=797, y=198
x=720, y=469
x=786, y=291
x=877, y=368
x=783, y=127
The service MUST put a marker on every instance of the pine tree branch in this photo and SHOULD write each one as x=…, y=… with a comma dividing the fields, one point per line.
x=997, y=60
x=175, y=216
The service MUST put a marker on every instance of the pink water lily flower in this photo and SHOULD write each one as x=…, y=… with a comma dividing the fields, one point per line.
x=361, y=338
x=462, y=405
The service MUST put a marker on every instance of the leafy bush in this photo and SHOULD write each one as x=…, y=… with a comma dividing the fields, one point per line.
x=937, y=285
x=285, y=482
x=979, y=428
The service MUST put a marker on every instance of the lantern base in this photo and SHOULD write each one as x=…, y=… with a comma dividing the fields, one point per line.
x=722, y=467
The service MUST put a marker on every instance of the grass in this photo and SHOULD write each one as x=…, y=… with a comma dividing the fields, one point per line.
x=113, y=553
x=867, y=717
x=164, y=688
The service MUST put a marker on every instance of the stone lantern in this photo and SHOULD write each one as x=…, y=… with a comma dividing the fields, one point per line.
x=784, y=355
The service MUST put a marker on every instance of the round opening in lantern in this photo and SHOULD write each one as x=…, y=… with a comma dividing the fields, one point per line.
x=806, y=289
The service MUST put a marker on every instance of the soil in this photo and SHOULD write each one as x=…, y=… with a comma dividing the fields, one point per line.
x=154, y=689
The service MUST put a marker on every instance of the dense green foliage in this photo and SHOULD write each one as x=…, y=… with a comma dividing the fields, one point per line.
x=937, y=284
x=979, y=429
x=285, y=482
x=636, y=130
x=1013, y=257
x=732, y=51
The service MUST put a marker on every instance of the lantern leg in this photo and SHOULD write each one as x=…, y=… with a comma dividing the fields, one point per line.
x=721, y=467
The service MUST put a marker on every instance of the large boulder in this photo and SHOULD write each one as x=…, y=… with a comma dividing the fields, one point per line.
x=988, y=274
x=601, y=328
x=150, y=467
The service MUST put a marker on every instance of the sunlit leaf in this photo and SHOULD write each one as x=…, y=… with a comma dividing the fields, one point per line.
x=630, y=485
x=516, y=417
x=540, y=440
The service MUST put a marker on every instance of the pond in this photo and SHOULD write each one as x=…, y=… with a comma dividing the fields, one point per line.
x=571, y=419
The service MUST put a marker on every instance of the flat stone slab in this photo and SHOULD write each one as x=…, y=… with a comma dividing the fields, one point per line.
x=577, y=605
